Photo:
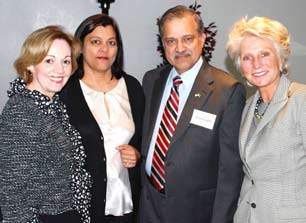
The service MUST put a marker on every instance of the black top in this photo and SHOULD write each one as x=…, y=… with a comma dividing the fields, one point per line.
x=92, y=137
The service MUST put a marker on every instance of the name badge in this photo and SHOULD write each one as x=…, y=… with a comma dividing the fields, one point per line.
x=203, y=119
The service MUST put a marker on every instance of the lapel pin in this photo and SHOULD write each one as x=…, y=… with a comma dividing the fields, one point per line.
x=197, y=95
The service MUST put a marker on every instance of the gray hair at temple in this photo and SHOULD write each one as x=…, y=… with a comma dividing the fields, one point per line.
x=179, y=12
x=264, y=28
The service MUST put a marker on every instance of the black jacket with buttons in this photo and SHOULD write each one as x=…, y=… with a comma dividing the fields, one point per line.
x=92, y=139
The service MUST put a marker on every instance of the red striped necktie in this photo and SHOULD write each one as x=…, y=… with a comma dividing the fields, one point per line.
x=165, y=133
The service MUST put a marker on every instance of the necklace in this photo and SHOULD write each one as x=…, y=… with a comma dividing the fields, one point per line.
x=256, y=112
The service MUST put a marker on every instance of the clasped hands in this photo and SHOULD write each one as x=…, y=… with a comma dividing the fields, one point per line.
x=129, y=155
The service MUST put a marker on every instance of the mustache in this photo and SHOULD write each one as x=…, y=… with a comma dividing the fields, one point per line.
x=184, y=53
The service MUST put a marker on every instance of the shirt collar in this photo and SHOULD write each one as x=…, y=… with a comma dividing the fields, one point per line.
x=87, y=90
x=188, y=76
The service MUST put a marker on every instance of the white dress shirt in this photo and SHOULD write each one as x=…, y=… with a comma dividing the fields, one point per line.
x=184, y=89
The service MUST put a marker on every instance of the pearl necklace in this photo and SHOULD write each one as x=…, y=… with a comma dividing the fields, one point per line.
x=256, y=112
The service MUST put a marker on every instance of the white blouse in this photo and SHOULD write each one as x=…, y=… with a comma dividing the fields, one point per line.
x=112, y=112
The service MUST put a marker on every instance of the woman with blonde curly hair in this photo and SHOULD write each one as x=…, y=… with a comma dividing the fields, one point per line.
x=273, y=126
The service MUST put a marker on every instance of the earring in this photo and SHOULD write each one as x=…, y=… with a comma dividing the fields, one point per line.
x=29, y=72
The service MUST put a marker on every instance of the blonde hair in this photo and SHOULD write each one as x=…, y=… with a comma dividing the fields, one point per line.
x=264, y=28
x=36, y=47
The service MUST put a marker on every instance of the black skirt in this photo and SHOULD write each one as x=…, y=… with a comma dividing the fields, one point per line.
x=66, y=217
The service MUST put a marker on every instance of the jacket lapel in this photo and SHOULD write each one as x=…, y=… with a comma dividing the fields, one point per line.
x=246, y=123
x=156, y=97
x=279, y=100
x=198, y=96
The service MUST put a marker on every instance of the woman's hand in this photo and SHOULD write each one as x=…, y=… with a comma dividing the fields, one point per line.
x=129, y=155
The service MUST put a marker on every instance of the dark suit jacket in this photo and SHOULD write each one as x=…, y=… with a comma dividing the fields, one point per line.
x=203, y=168
x=92, y=139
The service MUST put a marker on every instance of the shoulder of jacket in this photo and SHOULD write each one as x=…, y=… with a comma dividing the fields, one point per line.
x=224, y=76
x=296, y=87
x=160, y=69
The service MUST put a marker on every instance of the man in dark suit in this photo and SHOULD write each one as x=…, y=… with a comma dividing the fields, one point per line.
x=197, y=177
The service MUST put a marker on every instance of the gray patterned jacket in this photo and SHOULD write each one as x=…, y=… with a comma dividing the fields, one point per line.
x=41, y=159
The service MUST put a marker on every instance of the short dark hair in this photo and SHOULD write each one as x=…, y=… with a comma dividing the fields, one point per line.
x=86, y=27
x=179, y=12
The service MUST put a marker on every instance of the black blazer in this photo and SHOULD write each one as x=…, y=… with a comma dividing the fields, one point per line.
x=92, y=138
